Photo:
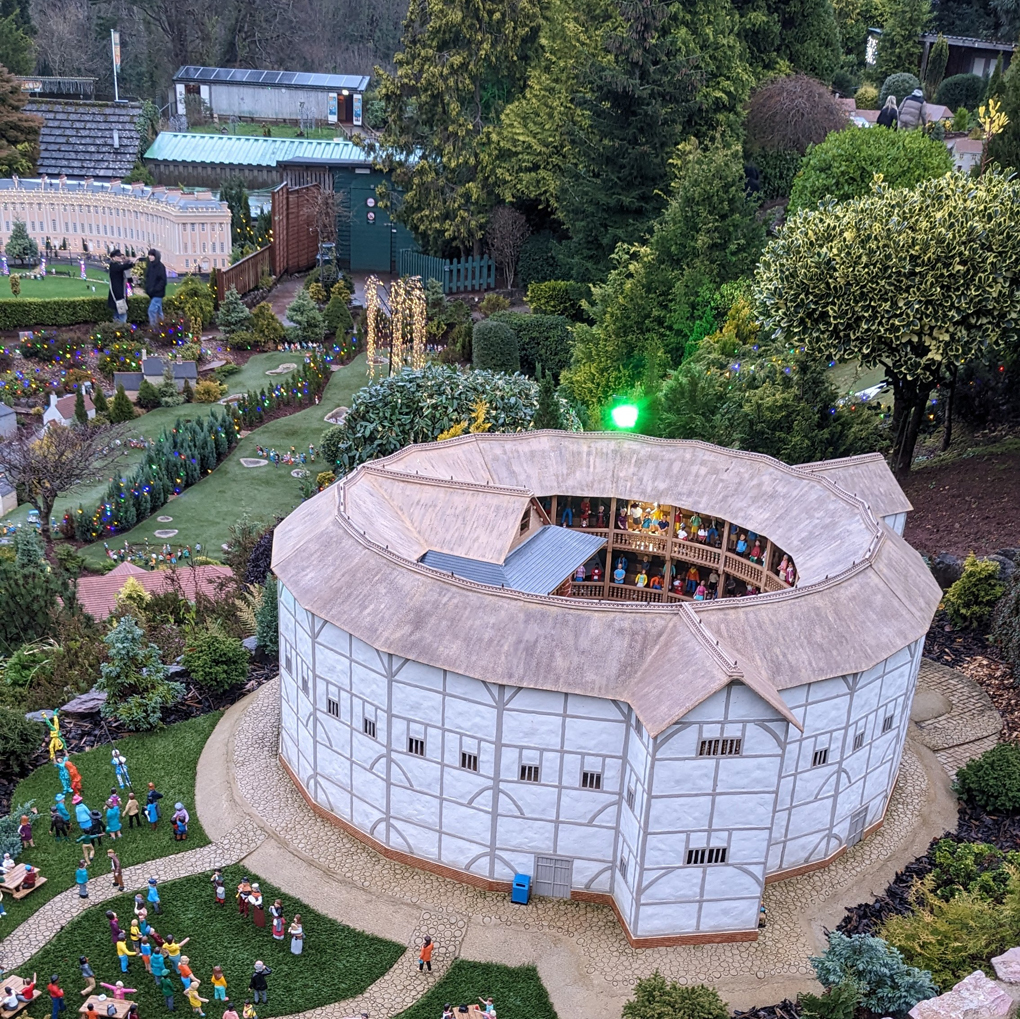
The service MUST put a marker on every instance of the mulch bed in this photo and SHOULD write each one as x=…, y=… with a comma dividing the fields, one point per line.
x=82, y=734
x=965, y=505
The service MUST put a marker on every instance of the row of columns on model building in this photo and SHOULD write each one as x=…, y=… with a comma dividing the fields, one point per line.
x=657, y=548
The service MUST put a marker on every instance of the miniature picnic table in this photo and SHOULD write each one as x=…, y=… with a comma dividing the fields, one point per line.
x=15, y=878
x=17, y=985
x=103, y=1001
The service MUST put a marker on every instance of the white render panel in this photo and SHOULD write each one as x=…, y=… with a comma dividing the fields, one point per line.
x=466, y=804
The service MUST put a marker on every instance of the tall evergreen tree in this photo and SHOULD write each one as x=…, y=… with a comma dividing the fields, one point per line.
x=547, y=413
x=1004, y=148
x=802, y=34
x=899, y=49
x=935, y=68
x=19, y=131
x=460, y=63
x=99, y=400
x=121, y=409
x=81, y=415
x=633, y=112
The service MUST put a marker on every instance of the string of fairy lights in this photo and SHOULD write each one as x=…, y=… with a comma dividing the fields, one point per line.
x=406, y=324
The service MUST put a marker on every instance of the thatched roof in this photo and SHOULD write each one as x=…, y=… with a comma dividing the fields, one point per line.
x=350, y=556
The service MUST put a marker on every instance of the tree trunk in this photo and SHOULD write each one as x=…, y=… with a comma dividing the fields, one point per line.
x=910, y=400
x=947, y=433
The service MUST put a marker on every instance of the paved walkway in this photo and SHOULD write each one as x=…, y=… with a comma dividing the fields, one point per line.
x=252, y=812
x=282, y=296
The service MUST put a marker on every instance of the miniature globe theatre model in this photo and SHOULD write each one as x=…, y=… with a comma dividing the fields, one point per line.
x=649, y=673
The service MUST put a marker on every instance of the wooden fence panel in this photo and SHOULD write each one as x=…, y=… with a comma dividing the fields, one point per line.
x=457, y=275
x=244, y=275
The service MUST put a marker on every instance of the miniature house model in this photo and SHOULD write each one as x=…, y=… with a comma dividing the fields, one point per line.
x=648, y=673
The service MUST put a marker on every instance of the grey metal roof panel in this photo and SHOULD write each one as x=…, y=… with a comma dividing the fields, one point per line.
x=129, y=380
x=250, y=150
x=6, y=412
x=548, y=557
x=538, y=566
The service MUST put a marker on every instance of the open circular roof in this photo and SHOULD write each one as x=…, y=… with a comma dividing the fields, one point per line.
x=353, y=556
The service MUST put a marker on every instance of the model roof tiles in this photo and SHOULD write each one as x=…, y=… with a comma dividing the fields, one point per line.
x=87, y=139
x=863, y=594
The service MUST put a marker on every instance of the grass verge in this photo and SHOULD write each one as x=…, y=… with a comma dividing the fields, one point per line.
x=338, y=962
x=168, y=757
x=517, y=991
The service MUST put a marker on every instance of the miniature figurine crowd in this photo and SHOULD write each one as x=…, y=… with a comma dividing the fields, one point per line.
x=162, y=955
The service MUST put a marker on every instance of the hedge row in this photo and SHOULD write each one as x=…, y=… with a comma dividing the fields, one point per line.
x=28, y=313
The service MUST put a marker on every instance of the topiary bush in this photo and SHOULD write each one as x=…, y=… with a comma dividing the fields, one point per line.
x=215, y=660
x=191, y=294
x=899, y=85
x=417, y=406
x=778, y=170
x=233, y=316
x=537, y=261
x=962, y=90
x=845, y=164
x=303, y=312
x=970, y=601
x=491, y=303
x=338, y=316
x=887, y=984
x=977, y=868
x=494, y=347
x=791, y=113
x=867, y=98
x=266, y=327
x=559, y=297
x=19, y=740
x=544, y=340
x=657, y=998
x=992, y=781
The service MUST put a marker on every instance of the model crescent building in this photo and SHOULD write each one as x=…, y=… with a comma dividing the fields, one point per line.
x=655, y=674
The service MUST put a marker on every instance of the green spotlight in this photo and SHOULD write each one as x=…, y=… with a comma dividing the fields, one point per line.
x=624, y=415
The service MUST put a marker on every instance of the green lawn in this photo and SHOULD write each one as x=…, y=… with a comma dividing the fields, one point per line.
x=204, y=512
x=61, y=286
x=167, y=757
x=251, y=376
x=277, y=130
x=516, y=991
x=338, y=962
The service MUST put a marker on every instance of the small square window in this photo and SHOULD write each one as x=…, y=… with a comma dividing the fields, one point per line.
x=623, y=866
x=696, y=856
x=859, y=740
x=887, y=723
x=630, y=797
x=591, y=779
x=719, y=748
x=416, y=746
x=820, y=757
x=333, y=707
x=368, y=727
x=529, y=772
x=717, y=855
x=304, y=685
x=286, y=660
x=469, y=762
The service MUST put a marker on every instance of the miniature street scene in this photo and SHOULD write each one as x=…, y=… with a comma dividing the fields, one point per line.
x=509, y=512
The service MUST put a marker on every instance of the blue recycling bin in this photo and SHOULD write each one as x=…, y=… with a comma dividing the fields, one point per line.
x=521, y=892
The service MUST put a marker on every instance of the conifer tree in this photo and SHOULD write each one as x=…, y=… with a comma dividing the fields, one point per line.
x=81, y=415
x=547, y=413
x=899, y=49
x=267, y=624
x=19, y=131
x=233, y=316
x=121, y=409
x=99, y=400
x=148, y=396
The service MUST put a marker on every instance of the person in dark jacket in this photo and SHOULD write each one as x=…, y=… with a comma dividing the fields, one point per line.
x=119, y=265
x=913, y=112
x=889, y=115
x=155, y=286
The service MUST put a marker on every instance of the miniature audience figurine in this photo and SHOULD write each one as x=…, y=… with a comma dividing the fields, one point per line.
x=3, y=912
x=153, y=797
x=119, y=762
x=620, y=573
x=681, y=530
x=58, y=825
x=166, y=988
x=219, y=982
x=56, y=993
x=82, y=814
x=56, y=740
x=81, y=879
x=157, y=967
x=248, y=1012
x=791, y=573
x=783, y=563
x=641, y=580
x=243, y=891
x=278, y=921
x=596, y=574
x=656, y=582
x=65, y=776
x=742, y=545
x=113, y=800
x=181, y=819
x=297, y=935
x=152, y=896
x=118, y=874
x=7, y=865
x=132, y=811
x=601, y=519
x=221, y=894
x=74, y=775
x=217, y=877
x=487, y=1006
x=113, y=824
x=579, y=574
x=257, y=985
x=184, y=971
x=230, y=1012
x=25, y=831
x=258, y=911
x=756, y=552
x=12, y=1000
x=172, y=948
x=145, y=953
x=139, y=904
x=693, y=579
x=87, y=975
x=585, y=511
x=31, y=876
x=425, y=955
x=61, y=808
x=124, y=953
x=700, y=591
x=118, y=990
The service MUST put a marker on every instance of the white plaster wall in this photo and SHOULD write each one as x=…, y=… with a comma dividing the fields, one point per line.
x=770, y=807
